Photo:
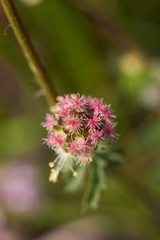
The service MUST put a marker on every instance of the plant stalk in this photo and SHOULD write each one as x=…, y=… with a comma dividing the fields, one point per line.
x=28, y=50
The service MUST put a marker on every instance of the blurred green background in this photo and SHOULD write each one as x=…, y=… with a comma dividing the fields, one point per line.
x=102, y=48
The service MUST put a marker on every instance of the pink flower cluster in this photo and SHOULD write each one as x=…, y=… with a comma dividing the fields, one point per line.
x=75, y=127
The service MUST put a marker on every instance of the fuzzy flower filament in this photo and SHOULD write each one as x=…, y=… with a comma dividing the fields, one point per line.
x=75, y=127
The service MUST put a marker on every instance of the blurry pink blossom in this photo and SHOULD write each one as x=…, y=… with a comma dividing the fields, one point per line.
x=9, y=234
x=19, y=190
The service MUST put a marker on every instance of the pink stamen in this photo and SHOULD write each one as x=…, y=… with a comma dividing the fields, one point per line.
x=49, y=123
x=73, y=122
x=95, y=122
x=97, y=105
x=95, y=137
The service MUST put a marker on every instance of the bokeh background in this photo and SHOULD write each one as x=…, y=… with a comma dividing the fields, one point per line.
x=103, y=48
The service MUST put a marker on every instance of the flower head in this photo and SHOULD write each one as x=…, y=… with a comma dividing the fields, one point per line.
x=97, y=105
x=109, y=132
x=95, y=137
x=75, y=128
x=107, y=114
x=94, y=122
x=49, y=123
x=73, y=122
x=77, y=102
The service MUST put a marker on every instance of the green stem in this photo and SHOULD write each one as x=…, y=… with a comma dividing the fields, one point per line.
x=28, y=51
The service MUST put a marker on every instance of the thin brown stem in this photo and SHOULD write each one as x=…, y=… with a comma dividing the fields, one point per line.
x=29, y=51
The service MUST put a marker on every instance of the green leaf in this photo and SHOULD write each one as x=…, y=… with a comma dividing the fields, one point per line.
x=97, y=183
x=110, y=154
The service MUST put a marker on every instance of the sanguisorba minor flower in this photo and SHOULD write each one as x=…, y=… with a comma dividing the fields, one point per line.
x=75, y=127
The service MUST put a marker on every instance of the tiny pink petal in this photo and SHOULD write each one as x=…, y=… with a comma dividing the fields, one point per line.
x=77, y=102
x=95, y=122
x=107, y=114
x=109, y=131
x=97, y=105
x=73, y=121
x=74, y=148
x=64, y=112
x=49, y=123
x=95, y=137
